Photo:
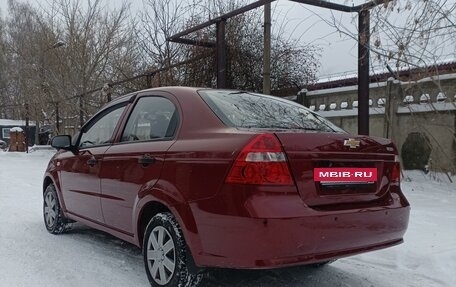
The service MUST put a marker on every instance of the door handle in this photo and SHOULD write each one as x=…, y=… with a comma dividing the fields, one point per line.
x=146, y=160
x=92, y=161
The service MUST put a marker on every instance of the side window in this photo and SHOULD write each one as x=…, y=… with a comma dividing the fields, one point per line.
x=101, y=131
x=6, y=133
x=152, y=118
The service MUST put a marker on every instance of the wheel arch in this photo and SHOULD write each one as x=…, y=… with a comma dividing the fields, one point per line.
x=151, y=206
x=46, y=182
x=149, y=210
x=49, y=179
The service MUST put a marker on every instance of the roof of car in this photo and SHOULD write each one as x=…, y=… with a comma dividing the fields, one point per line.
x=170, y=89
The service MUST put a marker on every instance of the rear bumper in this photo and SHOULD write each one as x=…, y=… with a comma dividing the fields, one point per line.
x=251, y=238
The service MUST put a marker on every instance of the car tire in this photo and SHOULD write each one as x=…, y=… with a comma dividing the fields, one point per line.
x=166, y=253
x=54, y=220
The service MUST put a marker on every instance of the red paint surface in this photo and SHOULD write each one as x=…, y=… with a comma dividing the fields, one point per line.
x=232, y=224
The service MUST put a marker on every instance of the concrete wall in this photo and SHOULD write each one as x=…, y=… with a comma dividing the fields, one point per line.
x=439, y=128
x=395, y=119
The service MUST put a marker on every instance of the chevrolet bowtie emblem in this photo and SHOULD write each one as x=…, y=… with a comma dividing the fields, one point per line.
x=352, y=143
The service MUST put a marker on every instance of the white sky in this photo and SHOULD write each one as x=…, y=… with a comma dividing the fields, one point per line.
x=338, y=52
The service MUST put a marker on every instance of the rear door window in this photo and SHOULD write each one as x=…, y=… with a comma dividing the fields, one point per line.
x=153, y=118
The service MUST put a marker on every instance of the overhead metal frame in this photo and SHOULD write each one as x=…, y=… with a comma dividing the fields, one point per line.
x=363, y=46
x=219, y=44
x=363, y=11
x=223, y=17
x=343, y=8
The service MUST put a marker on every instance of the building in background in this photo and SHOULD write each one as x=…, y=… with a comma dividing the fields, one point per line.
x=416, y=108
x=6, y=125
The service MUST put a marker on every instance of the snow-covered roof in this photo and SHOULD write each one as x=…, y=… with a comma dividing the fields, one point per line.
x=436, y=78
x=325, y=92
x=350, y=112
x=6, y=122
x=380, y=69
x=429, y=107
x=17, y=129
x=410, y=108
x=343, y=89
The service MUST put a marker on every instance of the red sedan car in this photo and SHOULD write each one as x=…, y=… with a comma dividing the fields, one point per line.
x=216, y=178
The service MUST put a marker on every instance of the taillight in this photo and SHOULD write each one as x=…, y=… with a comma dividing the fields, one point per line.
x=396, y=172
x=261, y=161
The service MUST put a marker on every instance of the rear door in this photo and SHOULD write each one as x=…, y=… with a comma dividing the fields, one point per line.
x=134, y=163
x=79, y=179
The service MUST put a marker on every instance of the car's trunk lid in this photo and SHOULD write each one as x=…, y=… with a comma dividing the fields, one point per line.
x=309, y=150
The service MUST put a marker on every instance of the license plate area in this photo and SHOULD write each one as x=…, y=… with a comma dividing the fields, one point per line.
x=345, y=180
x=346, y=183
x=341, y=188
x=345, y=174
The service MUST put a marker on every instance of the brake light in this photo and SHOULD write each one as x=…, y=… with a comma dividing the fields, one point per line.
x=396, y=172
x=261, y=161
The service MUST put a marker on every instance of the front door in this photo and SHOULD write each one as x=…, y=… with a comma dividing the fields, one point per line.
x=79, y=176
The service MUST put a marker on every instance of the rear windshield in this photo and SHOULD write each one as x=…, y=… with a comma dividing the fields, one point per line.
x=251, y=110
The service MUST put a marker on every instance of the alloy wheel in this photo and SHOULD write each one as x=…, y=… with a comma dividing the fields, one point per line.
x=161, y=255
x=50, y=209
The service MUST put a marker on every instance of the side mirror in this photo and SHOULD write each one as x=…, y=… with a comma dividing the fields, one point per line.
x=63, y=142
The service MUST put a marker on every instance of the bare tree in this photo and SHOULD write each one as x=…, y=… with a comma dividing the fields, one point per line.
x=93, y=37
x=293, y=64
x=24, y=46
x=158, y=21
x=3, y=69
x=57, y=53
x=405, y=33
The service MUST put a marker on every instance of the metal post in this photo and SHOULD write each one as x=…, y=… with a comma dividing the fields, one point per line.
x=43, y=91
x=57, y=118
x=56, y=45
x=27, y=127
x=363, y=72
x=106, y=92
x=221, y=55
x=149, y=81
x=267, y=50
x=37, y=127
x=302, y=98
x=81, y=112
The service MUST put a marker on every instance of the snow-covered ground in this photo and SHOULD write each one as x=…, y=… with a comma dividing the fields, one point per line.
x=30, y=256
